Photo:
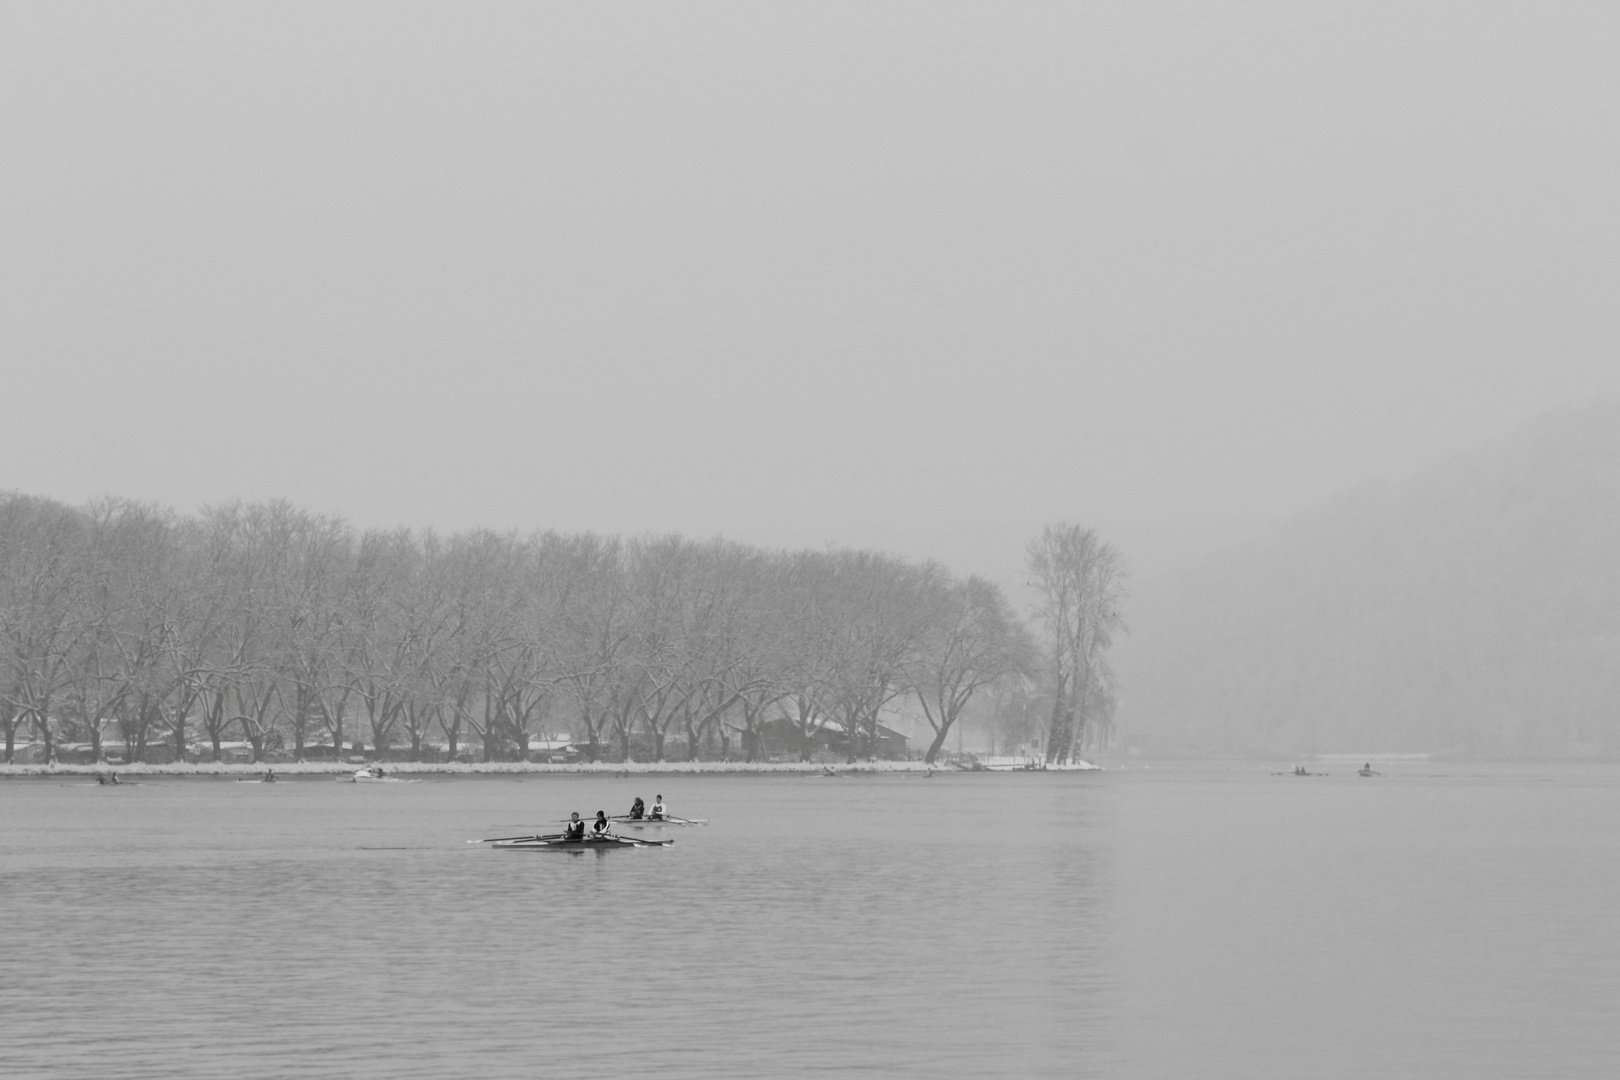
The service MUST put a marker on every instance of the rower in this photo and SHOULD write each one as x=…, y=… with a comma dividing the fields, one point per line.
x=658, y=809
x=574, y=829
x=638, y=809
x=269, y=776
x=600, y=827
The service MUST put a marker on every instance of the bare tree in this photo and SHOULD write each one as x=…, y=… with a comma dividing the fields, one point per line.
x=971, y=640
x=1081, y=584
x=880, y=621
x=596, y=629
x=42, y=558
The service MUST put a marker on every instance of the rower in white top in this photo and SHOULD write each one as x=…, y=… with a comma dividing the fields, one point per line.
x=658, y=813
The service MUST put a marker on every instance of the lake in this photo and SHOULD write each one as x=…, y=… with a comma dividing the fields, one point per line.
x=1208, y=920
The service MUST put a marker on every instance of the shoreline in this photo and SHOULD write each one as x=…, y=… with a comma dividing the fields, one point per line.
x=477, y=768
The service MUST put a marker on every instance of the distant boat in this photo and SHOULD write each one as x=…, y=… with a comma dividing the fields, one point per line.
x=1029, y=764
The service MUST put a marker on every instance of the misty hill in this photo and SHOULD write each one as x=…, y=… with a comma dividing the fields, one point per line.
x=1471, y=610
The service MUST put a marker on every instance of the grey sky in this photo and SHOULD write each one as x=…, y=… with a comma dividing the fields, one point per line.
x=876, y=274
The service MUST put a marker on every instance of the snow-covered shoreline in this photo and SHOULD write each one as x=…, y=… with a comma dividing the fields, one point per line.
x=479, y=768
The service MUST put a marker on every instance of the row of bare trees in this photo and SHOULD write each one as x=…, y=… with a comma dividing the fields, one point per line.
x=290, y=631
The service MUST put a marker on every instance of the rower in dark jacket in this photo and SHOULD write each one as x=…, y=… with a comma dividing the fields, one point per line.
x=638, y=809
x=574, y=829
x=600, y=827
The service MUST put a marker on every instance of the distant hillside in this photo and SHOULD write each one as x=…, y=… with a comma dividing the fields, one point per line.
x=1472, y=610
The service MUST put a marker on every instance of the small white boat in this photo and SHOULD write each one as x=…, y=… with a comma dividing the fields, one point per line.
x=1024, y=764
x=366, y=776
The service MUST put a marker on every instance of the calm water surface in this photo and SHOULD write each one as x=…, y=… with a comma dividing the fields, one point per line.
x=1210, y=921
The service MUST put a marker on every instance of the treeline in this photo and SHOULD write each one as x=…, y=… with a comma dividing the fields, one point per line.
x=289, y=630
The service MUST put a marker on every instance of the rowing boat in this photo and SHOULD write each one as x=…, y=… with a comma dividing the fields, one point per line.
x=643, y=822
x=636, y=823
x=557, y=843
x=373, y=780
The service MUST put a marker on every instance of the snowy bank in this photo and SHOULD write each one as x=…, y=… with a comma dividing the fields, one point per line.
x=477, y=768
x=491, y=768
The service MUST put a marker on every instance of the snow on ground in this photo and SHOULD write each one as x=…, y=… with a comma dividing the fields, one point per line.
x=327, y=768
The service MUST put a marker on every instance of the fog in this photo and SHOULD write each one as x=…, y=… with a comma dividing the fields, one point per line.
x=1472, y=610
x=918, y=277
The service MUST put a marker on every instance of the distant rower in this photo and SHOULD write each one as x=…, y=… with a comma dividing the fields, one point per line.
x=638, y=809
x=658, y=813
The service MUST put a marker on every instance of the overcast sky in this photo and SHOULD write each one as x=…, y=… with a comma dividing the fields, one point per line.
x=891, y=274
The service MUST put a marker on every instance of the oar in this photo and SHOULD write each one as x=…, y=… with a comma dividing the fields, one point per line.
x=530, y=836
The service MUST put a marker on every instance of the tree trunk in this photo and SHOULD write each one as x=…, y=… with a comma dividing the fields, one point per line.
x=1062, y=728
x=43, y=725
x=213, y=724
x=333, y=721
x=1082, y=693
